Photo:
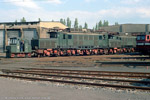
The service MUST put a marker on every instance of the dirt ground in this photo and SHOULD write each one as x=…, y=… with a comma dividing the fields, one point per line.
x=73, y=62
x=13, y=89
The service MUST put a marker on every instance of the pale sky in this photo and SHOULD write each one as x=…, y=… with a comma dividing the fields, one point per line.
x=90, y=11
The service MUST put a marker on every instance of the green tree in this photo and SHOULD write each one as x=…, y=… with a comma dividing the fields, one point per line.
x=96, y=27
x=23, y=20
x=68, y=22
x=64, y=22
x=100, y=24
x=86, y=25
x=106, y=23
x=61, y=21
x=80, y=26
x=76, y=23
x=39, y=19
x=93, y=28
x=116, y=23
x=15, y=21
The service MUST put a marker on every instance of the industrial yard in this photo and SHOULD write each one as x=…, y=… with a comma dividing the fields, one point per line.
x=28, y=89
x=74, y=50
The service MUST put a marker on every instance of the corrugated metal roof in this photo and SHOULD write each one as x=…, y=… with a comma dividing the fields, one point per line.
x=45, y=24
x=53, y=25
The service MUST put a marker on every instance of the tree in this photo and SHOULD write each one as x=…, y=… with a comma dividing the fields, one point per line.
x=93, y=28
x=80, y=27
x=23, y=20
x=96, y=27
x=61, y=21
x=68, y=22
x=15, y=21
x=116, y=23
x=100, y=24
x=76, y=23
x=86, y=25
x=39, y=19
x=106, y=23
x=52, y=20
x=64, y=22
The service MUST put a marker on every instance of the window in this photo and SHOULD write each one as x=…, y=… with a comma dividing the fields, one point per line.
x=110, y=37
x=138, y=37
x=13, y=40
x=147, y=37
x=143, y=37
x=53, y=35
x=64, y=36
x=69, y=36
x=100, y=37
x=104, y=37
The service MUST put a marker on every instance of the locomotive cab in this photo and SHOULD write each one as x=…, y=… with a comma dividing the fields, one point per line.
x=143, y=44
x=18, y=48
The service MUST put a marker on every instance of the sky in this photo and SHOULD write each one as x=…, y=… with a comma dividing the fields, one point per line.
x=90, y=11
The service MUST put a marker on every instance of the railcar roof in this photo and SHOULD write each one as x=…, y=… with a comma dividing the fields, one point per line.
x=128, y=36
x=85, y=33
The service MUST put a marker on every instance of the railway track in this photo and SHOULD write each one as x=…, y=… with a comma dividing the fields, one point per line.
x=91, y=78
x=126, y=63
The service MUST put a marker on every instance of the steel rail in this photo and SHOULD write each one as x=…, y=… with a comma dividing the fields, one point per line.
x=91, y=74
x=81, y=77
x=84, y=71
x=73, y=82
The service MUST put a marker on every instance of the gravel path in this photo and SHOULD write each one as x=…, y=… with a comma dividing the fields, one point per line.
x=13, y=89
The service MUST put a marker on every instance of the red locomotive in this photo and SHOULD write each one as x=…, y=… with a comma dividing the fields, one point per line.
x=143, y=44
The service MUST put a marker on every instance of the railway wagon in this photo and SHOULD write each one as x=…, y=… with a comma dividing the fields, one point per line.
x=120, y=44
x=128, y=43
x=143, y=44
x=70, y=44
x=65, y=43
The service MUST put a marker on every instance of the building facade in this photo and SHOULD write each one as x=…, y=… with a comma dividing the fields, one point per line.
x=133, y=29
x=27, y=30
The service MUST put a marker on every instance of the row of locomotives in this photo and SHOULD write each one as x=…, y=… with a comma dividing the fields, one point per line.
x=143, y=44
x=71, y=44
x=18, y=48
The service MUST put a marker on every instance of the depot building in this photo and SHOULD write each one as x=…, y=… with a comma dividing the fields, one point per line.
x=27, y=30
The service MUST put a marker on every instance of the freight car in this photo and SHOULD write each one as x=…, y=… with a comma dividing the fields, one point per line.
x=143, y=44
x=65, y=43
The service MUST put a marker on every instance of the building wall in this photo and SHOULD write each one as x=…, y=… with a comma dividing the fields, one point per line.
x=2, y=41
x=12, y=33
x=128, y=28
x=114, y=28
x=30, y=34
x=26, y=30
x=44, y=33
x=131, y=28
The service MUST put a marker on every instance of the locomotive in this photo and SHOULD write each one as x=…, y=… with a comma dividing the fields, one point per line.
x=143, y=44
x=69, y=44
